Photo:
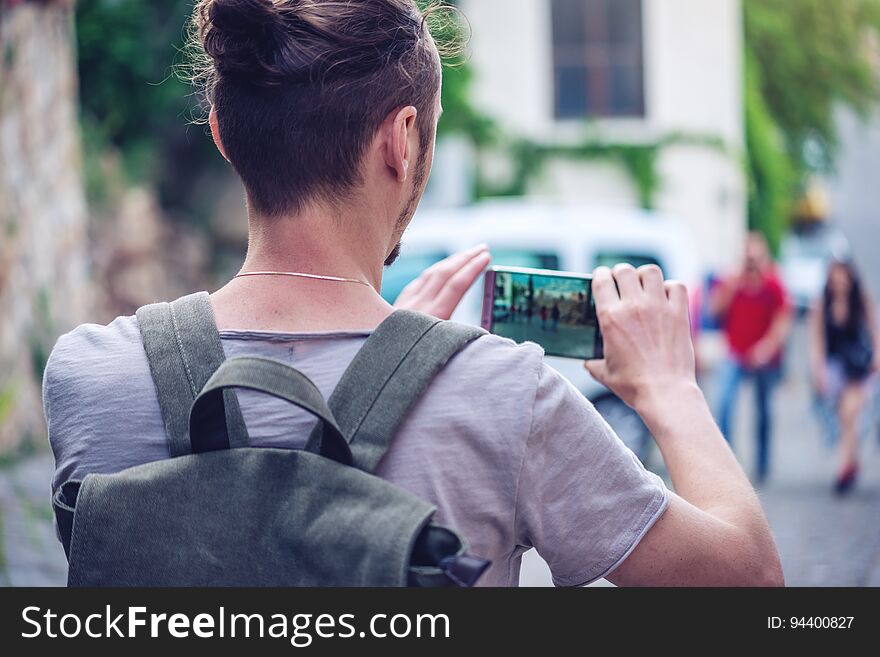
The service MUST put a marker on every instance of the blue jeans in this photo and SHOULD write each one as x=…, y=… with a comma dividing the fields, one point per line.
x=730, y=375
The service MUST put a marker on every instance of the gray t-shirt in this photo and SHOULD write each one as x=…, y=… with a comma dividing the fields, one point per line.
x=508, y=450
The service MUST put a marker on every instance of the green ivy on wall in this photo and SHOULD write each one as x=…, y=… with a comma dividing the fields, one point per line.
x=638, y=161
x=7, y=400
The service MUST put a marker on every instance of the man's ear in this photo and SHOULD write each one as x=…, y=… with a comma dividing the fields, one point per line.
x=215, y=132
x=401, y=144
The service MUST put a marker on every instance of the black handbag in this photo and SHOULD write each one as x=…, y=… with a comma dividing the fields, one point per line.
x=858, y=356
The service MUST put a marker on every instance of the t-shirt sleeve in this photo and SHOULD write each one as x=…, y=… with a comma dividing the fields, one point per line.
x=584, y=500
x=96, y=387
x=63, y=407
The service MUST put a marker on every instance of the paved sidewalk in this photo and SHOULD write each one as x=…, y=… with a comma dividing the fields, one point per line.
x=824, y=539
x=30, y=554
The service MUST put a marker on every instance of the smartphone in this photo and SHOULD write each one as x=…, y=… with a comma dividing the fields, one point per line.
x=552, y=308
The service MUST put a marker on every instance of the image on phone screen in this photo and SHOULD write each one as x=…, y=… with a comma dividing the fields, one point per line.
x=553, y=309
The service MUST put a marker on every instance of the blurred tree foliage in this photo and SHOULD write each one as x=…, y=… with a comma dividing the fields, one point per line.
x=459, y=115
x=126, y=51
x=132, y=101
x=804, y=58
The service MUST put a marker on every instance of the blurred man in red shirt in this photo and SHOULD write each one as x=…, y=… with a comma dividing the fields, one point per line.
x=754, y=311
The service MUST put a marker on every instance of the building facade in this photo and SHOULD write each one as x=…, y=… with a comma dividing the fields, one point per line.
x=661, y=74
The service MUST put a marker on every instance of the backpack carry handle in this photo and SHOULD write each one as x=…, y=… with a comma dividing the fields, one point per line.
x=208, y=430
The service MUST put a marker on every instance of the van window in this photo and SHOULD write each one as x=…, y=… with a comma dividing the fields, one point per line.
x=521, y=258
x=405, y=270
x=611, y=258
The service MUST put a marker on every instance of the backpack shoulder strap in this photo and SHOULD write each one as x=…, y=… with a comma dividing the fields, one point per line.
x=184, y=349
x=388, y=376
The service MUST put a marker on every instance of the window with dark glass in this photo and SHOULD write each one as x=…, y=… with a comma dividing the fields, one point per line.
x=597, y=58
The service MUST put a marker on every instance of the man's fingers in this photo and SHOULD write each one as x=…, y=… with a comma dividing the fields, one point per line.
x=677, y=294
x=651, y=278
x=438, y=274
x=413, y=287
x=458, y=284
x=627, y=279
x=604, y=289
x=456, y=260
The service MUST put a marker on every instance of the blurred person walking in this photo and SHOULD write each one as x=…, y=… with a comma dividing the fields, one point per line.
x=844, y=352
x=756, y=316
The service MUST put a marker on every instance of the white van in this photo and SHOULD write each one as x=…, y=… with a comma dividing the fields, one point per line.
x=545, y=235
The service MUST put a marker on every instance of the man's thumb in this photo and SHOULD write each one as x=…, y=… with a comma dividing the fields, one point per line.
x=598, y=369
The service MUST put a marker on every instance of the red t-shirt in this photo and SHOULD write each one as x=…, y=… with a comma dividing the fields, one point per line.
x=751, y=314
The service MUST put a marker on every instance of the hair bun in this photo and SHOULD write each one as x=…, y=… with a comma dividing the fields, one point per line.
x=241, y=37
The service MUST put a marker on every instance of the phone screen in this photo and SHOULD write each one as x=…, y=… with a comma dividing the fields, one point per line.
x=554, y=309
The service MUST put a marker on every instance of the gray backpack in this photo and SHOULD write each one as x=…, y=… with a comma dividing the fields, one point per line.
x=219, y=513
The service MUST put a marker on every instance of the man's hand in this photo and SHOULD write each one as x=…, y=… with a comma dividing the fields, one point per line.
x=722, y=294
x=762, y=354
x=440, y=288
x=646, y=328
x=713, y=532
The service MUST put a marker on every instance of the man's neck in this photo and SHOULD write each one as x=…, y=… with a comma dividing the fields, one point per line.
x=319, y=241
x=316, y=242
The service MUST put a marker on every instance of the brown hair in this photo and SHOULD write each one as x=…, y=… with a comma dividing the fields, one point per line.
x=300, y=88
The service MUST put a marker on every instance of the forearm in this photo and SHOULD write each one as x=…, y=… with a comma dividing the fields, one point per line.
x=703, y=469
x=817, y=344
x=781, y=329
x=720, y=299
x=817, y=362
x=713, y=531
x=816, y=357
x=773, y=341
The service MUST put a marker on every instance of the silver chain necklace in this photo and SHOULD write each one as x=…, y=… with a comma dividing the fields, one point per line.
x=315, y=277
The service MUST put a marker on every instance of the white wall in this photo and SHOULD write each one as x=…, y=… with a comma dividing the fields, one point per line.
x=708, y=190
x=453, y=173
x=693, y=76
x=853, y=191
x=693, y=68
x=512, y=59
x=693, y=73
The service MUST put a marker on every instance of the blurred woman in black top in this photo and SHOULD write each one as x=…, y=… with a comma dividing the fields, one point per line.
x=844, y=353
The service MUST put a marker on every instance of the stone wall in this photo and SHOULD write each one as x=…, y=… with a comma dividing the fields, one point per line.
x=44, y=262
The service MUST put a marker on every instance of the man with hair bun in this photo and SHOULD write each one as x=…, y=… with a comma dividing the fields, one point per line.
x=328, y=112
